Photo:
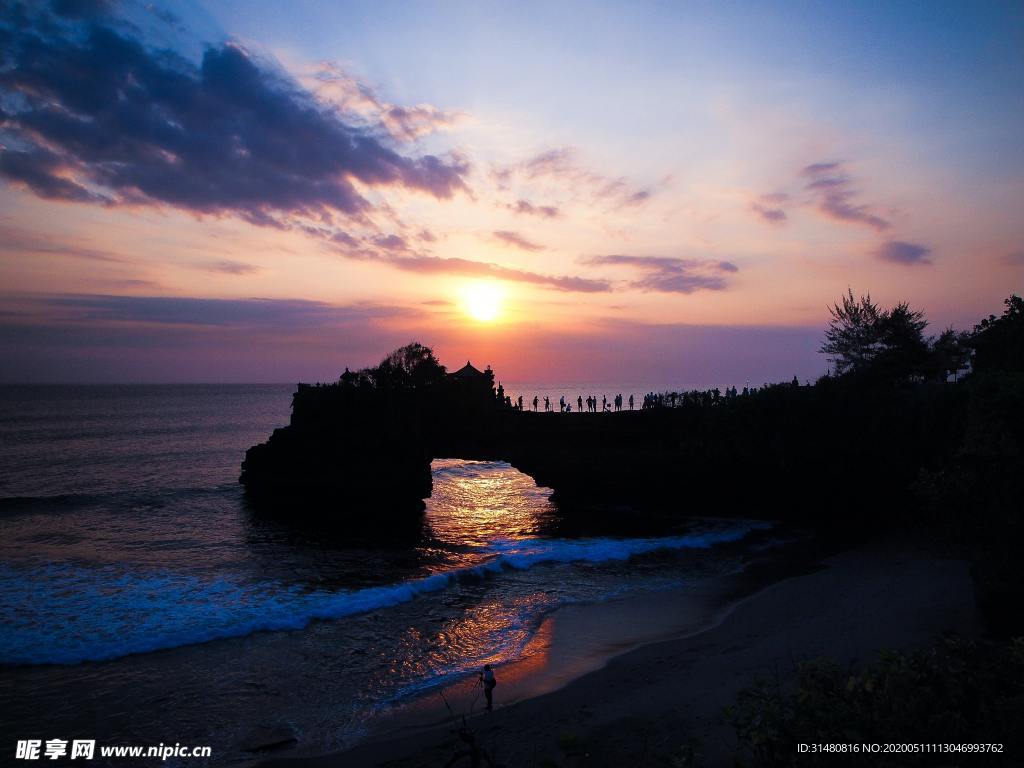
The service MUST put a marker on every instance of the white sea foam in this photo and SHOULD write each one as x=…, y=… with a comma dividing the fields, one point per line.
x=64, y=614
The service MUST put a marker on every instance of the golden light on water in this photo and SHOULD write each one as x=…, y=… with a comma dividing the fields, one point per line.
x=482, y=301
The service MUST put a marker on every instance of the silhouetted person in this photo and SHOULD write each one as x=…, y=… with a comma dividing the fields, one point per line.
x=579, y=403
x=547, y=403
x=631, y=402
x=561, y=404
x=535, y=402
x=487, y=678
x=520, y=401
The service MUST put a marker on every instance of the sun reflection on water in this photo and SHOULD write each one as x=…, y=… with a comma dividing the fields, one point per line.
x=476, y=508
x=477, y=503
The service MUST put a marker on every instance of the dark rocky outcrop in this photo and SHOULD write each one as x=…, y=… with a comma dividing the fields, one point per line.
x=784, y=452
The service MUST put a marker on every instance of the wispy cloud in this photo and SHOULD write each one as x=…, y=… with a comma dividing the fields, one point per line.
x=517, y=240
x=391, y=243
x=529, y=209
x=563, y=165
x=468, y=267
x=230, y=267
x=333, y=84
x=672, y=275
x=834, y=192
x=16, y=240
x=769, y=207
x=395, y=252
x=254, y=312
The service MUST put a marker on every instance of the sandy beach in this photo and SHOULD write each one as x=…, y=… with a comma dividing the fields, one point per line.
x=646, y=703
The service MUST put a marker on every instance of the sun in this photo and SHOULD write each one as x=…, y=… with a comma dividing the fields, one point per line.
x=482, y=301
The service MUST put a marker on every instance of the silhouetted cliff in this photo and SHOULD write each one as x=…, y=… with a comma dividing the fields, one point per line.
x=801, y=453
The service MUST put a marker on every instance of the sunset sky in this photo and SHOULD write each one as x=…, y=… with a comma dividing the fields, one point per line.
x=622, y=192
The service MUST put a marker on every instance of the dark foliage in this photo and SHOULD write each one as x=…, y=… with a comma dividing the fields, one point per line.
x=956, y=692
x=973, y=497
x=410, y=367
x=999, y=341
x=879, y=345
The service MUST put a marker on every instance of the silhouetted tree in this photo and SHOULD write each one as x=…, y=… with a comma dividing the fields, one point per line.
x=851, y=339
x=998, y=342
x=903, y=351
x=409, y=367
x=865, y=340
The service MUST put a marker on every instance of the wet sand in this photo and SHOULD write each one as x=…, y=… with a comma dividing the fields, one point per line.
x=651, y=700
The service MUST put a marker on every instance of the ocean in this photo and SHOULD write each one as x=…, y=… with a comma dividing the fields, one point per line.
x=143, y=601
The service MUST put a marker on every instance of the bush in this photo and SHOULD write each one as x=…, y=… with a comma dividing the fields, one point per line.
x=956, y=692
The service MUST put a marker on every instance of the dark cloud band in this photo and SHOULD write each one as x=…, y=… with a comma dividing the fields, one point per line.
x=92, y=115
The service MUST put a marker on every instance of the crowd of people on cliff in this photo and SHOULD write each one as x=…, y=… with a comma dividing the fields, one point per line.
x=618, y=402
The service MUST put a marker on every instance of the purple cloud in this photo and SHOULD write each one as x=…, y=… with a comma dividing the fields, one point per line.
x=19, y=241
x=900, y=252
x=174, y=310
x=92, y=115
x=554, y=162
x=816, y=169
x=156, y=338
x=229, y=267
x=457, y=266
x=562, y=164
x=528, y=208
x=672, y=275
x=391, y=243
x=770, y=208
x=834, y=192
x=395, y=252
x=81, y=9
x=410, y=123
x=517, y=240
x=334, y=85
x=772, y=215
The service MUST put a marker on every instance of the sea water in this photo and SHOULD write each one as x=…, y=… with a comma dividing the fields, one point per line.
x=142, y=600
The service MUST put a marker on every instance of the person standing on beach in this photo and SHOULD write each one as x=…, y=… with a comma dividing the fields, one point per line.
x=487, y=678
